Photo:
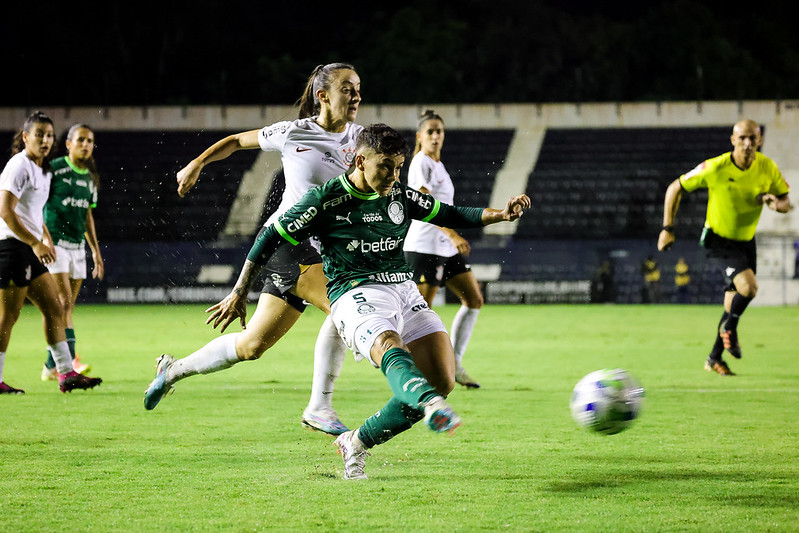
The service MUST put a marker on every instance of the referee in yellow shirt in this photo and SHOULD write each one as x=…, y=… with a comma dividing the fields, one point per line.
x=739, y=183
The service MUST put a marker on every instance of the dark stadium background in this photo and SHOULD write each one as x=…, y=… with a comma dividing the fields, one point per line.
x=220, y=52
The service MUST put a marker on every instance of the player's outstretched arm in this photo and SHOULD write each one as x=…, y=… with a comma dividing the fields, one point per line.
x=188, y=175
x=517, y=205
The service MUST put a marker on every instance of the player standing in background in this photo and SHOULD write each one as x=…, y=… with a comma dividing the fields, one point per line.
x=437, y=254
x=69, y=220
x=24, y=188
x=316, y=147
x=361, y=220
x=739, y=183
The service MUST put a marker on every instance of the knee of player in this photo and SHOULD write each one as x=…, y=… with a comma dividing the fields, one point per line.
x=446, y=385
x=248, y=350
x=474, y=302
x=748, y=289
x=387, y=341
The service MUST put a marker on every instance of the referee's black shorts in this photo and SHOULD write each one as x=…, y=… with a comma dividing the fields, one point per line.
x=18, y=264
x=733, y=256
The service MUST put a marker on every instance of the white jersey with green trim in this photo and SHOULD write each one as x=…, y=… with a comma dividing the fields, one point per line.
x=362, y=234
x=31, y=186
x=311, y=155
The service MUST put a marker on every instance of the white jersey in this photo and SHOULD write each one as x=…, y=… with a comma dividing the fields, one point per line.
x=425, y=238
x=311, y=156
x=31, y=185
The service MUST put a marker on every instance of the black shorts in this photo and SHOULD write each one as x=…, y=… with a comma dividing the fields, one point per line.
x=283, y=270
x=18, y=264
x=435, y=269
x=733, y=256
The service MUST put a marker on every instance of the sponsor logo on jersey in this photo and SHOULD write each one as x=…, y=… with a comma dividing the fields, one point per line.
x=365, y=309
x=68, y=181
x=336, y=201
x=347, y=218
x=328, y=158
x=274, y=130
x=424, y=201
x=302, y=221
x=370, y=217
x=75, y=202
x=81, y=183
x=418, y=307
x=383, y=245
x=391, y=277
x=396, y=213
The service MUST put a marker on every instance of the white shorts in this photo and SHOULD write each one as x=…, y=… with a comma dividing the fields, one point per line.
x=69, y=261
x=365, y=312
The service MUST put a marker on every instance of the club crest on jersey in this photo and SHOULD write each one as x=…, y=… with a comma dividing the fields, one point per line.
x=365, y=309
x=349, y=156
x=396, y=212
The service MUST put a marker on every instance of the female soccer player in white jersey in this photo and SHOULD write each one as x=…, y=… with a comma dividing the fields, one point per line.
x=438, y=255
x=361, y=219
x=69, y=220
x=24, y=188
x=316, y=147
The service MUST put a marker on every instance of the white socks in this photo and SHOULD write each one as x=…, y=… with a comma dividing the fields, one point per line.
x=462, y=327
x=328, y=358
x=217, y=355
x=61, y=356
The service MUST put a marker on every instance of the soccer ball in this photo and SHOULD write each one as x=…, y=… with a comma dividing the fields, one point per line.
x=606, y=401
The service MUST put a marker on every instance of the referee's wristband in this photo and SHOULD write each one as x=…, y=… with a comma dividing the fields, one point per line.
x=670, y=229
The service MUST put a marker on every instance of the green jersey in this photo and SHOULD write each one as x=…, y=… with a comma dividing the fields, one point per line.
x=361, y=234
x=72, y=193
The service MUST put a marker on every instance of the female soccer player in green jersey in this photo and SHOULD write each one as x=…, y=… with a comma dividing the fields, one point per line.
x=361, y=220
x=69, y=219
x=739, y=183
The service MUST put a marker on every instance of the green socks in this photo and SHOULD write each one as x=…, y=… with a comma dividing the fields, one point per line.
x=394, y=418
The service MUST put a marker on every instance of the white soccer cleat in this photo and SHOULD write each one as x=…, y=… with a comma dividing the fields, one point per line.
x=354, y=454
x=325, y=420
x=439, y=416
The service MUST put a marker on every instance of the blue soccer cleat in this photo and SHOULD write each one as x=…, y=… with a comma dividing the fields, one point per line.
x=159, y=387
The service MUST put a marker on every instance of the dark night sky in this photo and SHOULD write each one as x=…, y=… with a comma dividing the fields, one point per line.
x=222, y=52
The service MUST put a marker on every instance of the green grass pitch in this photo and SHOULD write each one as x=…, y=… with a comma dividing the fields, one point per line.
x=226, y=451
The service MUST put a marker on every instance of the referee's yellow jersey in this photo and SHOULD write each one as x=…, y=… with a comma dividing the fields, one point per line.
x=732, y=207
